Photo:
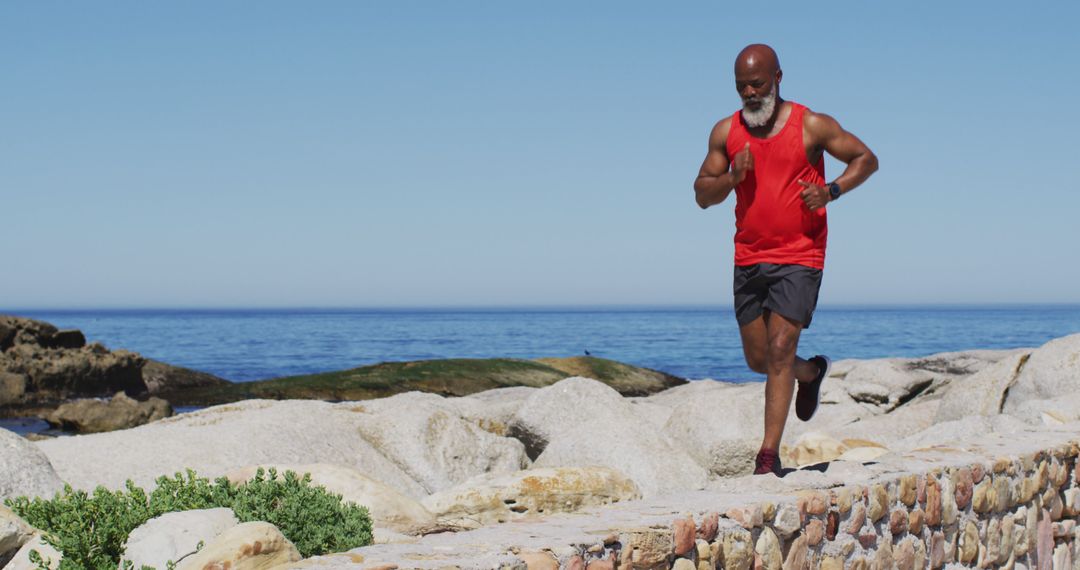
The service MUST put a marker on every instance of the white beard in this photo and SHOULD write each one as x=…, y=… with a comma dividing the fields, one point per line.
x=758, y=118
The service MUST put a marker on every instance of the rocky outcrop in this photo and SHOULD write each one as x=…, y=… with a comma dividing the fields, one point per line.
x=217, y=440
x=431, y=442
x=24, y=469
x=246, y=546
x=42, y=366
x=119, y=412
x=910, y=461
x=453, y=377
x=580, y=422
x=173, y=537
x=491, y=498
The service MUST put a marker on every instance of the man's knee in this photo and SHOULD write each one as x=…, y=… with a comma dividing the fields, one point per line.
x=781, y=349
x=757, y=363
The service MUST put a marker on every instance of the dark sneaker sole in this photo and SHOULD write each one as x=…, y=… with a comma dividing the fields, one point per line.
x=815, y=385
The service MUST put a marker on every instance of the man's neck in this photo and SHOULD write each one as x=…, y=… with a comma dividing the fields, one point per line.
x=769, y=128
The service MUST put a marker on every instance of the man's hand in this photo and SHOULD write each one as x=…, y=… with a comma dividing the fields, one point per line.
x=814, y=196
x=743, y=161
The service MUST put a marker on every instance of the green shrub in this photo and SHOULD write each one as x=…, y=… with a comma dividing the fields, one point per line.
x=91, y=529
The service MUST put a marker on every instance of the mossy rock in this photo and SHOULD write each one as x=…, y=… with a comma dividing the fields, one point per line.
x=449, y=377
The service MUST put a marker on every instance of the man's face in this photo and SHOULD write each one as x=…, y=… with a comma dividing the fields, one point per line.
x=757, y=89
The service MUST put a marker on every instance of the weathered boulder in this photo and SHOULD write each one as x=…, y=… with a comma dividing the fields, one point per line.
x=55, y=374
x=492, y=410
x=718, y=424
x=1052, y=370
x=982, y=393
x=175, y=536
x=430, y=441
x=119, y=412
x=388, y=508
x=19, y=330
x=626, y=379
x=580, y=422
x=43, y=366
x=1058, y=410
x=721, y=425
x=216, y=440
x=14, y=532
x=493, y=498
x=12, y=388
x=21, y=560
x=24, y=469
x=163, y=379
x=246, y=546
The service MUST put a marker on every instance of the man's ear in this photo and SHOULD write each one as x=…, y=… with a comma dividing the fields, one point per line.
x=779, y=75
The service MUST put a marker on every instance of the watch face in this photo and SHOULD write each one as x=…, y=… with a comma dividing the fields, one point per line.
x=834, y=190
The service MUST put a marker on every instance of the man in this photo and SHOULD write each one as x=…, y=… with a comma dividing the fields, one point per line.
x=770, y=154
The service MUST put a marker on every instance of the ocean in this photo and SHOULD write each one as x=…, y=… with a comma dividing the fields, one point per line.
x=692, y=342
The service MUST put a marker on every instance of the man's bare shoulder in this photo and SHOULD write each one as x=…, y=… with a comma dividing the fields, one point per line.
x=819, y=122
x=720, y=131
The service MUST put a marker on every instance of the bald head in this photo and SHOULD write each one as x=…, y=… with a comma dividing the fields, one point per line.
x=757, y=79
x=757, y=57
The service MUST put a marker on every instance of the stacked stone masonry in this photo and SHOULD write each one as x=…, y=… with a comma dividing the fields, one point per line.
x=1014, y=513
x=988, y=503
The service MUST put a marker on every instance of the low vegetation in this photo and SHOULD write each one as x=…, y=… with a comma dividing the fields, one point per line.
x=90, y=529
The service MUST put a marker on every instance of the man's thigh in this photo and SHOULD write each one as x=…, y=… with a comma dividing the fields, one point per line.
x=792, y=292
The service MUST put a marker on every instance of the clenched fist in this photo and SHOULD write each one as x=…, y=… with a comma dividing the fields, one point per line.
x=743, y=162
x=814, y=195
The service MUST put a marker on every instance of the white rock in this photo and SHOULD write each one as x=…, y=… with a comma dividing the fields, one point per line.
x=1061, y=409
x=815, y=447
x=885, y=429
x=862, y=454
x=21, y=560
x=388, y=508
x=488, y=499
x=1052, y=370
x=14, y=532
x=946, y=434
x=426, y=436
x=982, y=393
x=246, y=546
x=215, y=440
x=175, y=536
x=579, y=422
x=24, y=469
x=721, y=425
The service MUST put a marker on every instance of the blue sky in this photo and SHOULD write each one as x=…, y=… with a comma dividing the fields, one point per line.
x=503, y=153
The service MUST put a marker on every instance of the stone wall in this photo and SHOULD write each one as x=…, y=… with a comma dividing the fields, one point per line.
x=1013, y=512
x=985, y=502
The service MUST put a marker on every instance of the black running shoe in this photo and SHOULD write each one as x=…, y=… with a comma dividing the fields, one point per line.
x=767, y=461
x=806, y=402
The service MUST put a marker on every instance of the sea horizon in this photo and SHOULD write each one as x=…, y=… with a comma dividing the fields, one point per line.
x=694, y=341
x=539, y=307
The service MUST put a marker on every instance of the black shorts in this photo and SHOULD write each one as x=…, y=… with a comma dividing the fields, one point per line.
x=789, y=290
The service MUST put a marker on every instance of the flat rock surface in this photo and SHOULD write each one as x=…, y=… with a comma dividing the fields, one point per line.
x=216, y=440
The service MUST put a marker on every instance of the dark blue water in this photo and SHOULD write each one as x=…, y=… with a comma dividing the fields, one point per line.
x=246, y=345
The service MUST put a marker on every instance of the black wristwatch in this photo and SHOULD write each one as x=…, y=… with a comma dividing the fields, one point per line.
x=834, y=191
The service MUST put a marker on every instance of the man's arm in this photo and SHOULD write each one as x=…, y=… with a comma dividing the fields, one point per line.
x=715, y=181
x=828, y=136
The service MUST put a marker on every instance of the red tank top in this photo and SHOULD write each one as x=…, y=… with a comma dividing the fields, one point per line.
x=772, y=224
